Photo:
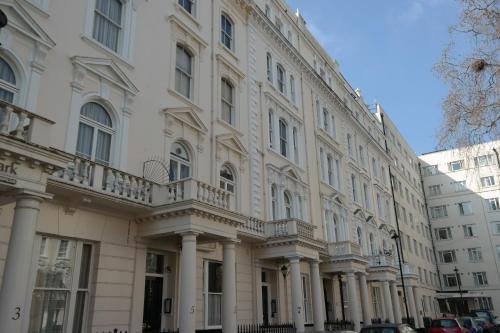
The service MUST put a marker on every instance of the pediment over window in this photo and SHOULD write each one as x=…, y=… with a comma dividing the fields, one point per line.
x=232, y=142
x=106, y=69
x=185, y=115
x=291, y=171
x=20, y=20
x=386, y=227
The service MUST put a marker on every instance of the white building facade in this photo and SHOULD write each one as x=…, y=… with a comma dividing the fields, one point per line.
x=194, y=165
x=462, y=189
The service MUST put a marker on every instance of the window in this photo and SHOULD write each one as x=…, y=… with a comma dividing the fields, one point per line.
x=447, y=256
x=326, y=117
x=498, y=252
x=281, y=78
x=443, y=233
x=269, y=67
x=483, y=160
x=295, y=138
x=493, y=204
x=366, y=193
x=362, y=156
x=7, y=82
x=379, y=206
x=227, y=104
x=350, y=149
x=487, y=181
x=329, y=163
x=456, y=165
x=434, y=190
x=227, y=181
x=107, y=23
x=470, y=230
x=307, y=299
x=271, y=129
x=479, y=279
x=95, y=133
x=213, y=294
x=288, y=205
x=450, y=280
x=475, y=254
x=459, y=186
x=226, y=32
x=188, y=5
x=55, y=289
x=278, y=24
x=183, y=71
x=495, y=228
x=374, y=167
x=465, y=208
x=292, y=88
x=283, y=137
x=333, y=132
x=354, y=188
x=438, y=212
x=430, y=170
x=274, y=202
x=180, y=163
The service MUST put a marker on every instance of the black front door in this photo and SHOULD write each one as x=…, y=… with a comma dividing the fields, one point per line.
x=153, y=291
x=265, y=306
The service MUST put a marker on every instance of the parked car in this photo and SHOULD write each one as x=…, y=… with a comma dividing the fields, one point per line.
x=388, y=328
x=483, y=325
x=447, y=325
x=494, y=321
x=469, y=324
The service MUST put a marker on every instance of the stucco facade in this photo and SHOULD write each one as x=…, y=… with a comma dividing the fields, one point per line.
x=194, y=165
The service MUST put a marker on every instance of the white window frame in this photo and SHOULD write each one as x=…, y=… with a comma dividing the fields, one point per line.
x=493, y=204
x=456, y=165
x=470, y=230
x=480, y=279
x=444, y=254
x=475, y=254
x=206, y=264
x=224, y=33
x=465, y=208
x=487, y=181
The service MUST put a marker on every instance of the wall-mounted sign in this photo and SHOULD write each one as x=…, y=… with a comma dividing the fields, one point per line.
x=6, y=170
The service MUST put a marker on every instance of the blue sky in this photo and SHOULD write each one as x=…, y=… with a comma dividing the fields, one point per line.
x=387, y=48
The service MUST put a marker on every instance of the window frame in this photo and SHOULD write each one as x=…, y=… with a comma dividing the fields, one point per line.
x=281, y=78
x=182, y=72
x=180, y=161
x=206, y=292
x=228, y=102
x=224, y=17
x=283, y=135
x=182, y=4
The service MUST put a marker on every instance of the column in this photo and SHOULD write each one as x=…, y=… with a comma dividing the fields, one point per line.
x=387, y=301
x=13, y=307
x=229, y=324
x=297, y=296
x=418, y=306
x=365, y=305
x=395, y=302
x=187, y=303
x=258, y=292
x=317, y=297
x=411, y=305
x=353, y=300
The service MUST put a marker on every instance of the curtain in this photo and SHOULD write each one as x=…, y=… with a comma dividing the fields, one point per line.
x=84, y=141
x=96, y=112
x=214, y=309
x=103, y=147
x=107, y=22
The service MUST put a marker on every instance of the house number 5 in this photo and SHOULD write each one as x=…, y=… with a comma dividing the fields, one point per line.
x=17, y=313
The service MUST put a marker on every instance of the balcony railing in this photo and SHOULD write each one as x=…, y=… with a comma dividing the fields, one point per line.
x=289, y=227
x=409, y=269
x=381, y=261
x=24, y=125
x=344, y=248
x=254, y=227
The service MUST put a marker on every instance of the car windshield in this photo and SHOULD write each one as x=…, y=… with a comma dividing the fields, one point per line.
x=444, y=323
x=466, y=322
x=481, y=314
x=378, y=330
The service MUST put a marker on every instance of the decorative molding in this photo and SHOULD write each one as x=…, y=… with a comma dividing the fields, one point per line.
x=186, y=116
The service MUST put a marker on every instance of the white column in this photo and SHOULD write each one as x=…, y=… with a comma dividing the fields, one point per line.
x=353, y=300
x=258, y=292
x=411, y=305
x=395, y=302
x=229, y=324
x=297, y=295
x=365, y=305
x=388, y=301
x=13, y=308
x=317, y=297
x=418, y=306
x=187, y=303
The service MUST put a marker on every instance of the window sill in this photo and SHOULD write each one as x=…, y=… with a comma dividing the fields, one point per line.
x=108, y=51
x=187, y=15
x=229, y=52
x=184, y=99
x=273, y=152
x=284, y=97
x=229, y=126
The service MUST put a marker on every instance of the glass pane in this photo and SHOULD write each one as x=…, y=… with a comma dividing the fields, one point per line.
x=214, y=277
x=214, y=309
x=56, y=266
x=48, y=309
x=81, y=296
x=96, y=112
x=85, y=266
x=184, y=171
x=84, y=141
x=154, y=263
x=103, y=147
x=6, y=95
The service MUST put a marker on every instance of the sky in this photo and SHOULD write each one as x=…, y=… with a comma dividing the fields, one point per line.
x=388, y=48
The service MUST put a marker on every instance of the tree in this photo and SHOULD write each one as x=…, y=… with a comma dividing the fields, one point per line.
x=471, y=110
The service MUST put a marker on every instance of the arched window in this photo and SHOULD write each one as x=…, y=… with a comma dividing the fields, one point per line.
x=269, y=67
x=95, y=132
x=288, y=204
x=271, y=128
x=227, y=181
x=183, y=71
x=108, y=23
x=283, y=137
x=292, y=88
x=281, y=79
x=227, y=104
x=274, y=202
x=8, y=82
x=373, y=250
x=360, y=237
x=226, y=31
x=180, y=162
x=188, y=5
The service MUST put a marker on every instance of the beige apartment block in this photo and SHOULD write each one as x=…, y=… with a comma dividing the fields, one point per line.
x=197, y=165
x=463, y=191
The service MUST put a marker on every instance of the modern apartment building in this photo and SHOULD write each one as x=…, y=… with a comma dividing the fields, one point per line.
x=196, y=165
x=463, y=193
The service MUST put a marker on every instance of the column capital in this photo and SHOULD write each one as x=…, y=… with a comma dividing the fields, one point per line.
x=314, y=261
x=230, y=242
x=188, y=233
x=350, y=273
x=294, y=259
x=34, y=195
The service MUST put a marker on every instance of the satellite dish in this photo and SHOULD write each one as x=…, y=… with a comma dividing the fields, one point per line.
x=155, y=169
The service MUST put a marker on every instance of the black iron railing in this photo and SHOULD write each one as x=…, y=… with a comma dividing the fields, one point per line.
x=258, y=328
x=338, y=325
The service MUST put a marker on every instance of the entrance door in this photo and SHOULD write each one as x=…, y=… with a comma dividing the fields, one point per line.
x=153, y=292
x=265, y=305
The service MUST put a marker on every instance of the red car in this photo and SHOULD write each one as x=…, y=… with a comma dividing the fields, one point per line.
x=447, y=325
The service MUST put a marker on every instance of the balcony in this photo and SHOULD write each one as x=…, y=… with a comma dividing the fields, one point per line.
x=253, y=228
x=344, y=248
x=24, y=125
x=289, y=227
x=381, y=261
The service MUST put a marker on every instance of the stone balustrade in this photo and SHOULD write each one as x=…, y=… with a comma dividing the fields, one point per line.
x=289, y=227
x=381, y=260
x=24, y=125
x=254, y=227
x=344, y=248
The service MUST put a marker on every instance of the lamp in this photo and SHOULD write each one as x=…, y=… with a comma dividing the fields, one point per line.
x=284, y=270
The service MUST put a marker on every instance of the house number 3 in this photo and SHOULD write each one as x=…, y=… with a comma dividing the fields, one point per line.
x=17, y=313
